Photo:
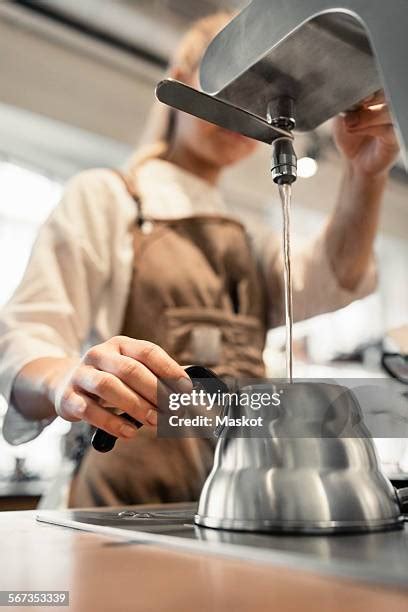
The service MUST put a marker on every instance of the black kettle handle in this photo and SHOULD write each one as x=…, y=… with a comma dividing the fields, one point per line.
x=103, y=442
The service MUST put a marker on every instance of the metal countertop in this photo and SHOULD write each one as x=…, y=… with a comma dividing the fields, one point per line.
x=381, y=557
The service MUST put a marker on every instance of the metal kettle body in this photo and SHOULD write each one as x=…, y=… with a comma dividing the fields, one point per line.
x=315, y=472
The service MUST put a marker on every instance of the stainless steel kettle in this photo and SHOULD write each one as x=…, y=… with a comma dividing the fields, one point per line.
x=315, y=472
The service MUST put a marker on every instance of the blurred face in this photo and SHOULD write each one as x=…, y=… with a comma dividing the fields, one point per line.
x=209, y=142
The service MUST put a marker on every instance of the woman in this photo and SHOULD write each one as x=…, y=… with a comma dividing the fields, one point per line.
x=150, y=271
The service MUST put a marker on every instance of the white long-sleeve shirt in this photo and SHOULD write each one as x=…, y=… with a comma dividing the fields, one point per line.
x=75, y=287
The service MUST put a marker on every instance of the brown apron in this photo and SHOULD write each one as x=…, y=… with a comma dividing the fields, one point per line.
x=198, y=292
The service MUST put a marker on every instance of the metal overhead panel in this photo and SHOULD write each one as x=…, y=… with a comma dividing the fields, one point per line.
x=310, y=51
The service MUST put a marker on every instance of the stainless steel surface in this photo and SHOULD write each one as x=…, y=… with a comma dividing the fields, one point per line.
x=226, y=115
x=377, y=557
x=327, y=55
x=316, y=472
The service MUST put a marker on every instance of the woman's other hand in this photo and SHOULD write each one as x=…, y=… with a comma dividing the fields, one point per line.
x=121, y=374
x=366, y=137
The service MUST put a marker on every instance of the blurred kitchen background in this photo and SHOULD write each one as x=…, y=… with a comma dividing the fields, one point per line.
x=77, y=82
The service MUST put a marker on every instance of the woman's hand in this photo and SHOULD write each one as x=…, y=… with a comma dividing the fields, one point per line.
x=366, y=137
x=123, y=374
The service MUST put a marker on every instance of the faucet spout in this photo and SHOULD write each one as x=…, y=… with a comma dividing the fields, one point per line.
x=284, y=162
x=281, y=114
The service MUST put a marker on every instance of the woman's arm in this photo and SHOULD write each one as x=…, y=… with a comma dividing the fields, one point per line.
x=50, y=316
x=367, y=141
x=121, y=373
x=351, y=230
x=34, y=388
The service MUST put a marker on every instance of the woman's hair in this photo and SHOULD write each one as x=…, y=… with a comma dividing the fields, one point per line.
x=158, y=136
